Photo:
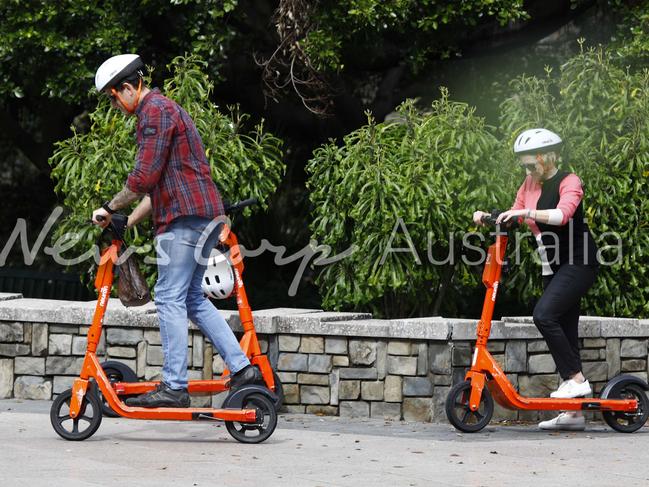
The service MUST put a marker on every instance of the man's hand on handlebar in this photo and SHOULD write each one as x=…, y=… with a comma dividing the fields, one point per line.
x=101, y=217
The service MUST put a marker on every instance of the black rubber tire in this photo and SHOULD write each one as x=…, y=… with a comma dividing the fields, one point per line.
x=116, y=372
x=255, y=433
x=625, y=422
x=67, y=427
x=460, y=415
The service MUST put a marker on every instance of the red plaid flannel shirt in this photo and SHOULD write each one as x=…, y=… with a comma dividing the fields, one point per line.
x=171, y=165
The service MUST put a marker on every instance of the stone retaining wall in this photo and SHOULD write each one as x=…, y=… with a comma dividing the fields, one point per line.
x=344, y=364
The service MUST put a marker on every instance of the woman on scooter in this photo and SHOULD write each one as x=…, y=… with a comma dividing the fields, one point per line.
x=550, y=202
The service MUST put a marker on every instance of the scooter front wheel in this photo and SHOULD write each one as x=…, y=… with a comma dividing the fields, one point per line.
x=625, y=422
x=459, y=413
x=85, y=424
x=260, y=430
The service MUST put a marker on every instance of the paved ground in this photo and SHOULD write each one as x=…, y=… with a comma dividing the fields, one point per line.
x=313, y=451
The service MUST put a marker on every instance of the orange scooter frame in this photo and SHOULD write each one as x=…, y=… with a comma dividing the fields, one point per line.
x=249, y=412
x=623, y=403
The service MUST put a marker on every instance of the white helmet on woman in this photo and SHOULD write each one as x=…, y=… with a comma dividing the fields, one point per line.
x=115, y=69
x=218, y=280
x=534, y=141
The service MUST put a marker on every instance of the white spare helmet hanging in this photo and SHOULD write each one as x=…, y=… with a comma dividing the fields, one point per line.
x=218, y=280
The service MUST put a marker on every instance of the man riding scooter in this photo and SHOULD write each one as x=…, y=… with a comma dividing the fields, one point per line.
x=172, y=180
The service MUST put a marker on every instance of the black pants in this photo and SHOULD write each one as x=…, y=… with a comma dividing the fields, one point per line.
x=556, y=315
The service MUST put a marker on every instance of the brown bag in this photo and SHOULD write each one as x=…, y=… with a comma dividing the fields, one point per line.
x=132, y=288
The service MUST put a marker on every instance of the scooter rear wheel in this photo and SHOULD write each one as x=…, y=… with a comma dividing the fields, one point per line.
x=263, y=428
x=116, y=372
x=627, y=422
x=83, y=426
x=459, y=413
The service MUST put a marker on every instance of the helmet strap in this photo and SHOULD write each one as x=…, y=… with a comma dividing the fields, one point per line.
x=127, y=106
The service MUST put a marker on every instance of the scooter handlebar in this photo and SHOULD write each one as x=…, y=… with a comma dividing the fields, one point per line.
x=240, y=205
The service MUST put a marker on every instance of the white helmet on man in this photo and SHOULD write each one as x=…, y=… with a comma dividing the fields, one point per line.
x=218, y=280
x=115, y=69
x=536, y=141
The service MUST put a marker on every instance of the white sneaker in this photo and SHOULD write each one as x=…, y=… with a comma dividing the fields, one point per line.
x=565, y=421
x=570, y=389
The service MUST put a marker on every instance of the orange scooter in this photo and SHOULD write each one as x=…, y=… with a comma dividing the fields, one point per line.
x=124, y=379
x=469, y=404
x=249, y=412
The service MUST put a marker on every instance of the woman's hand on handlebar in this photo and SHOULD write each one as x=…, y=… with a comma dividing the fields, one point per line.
x=477, y=217
x=101, y=217
x=508, y=215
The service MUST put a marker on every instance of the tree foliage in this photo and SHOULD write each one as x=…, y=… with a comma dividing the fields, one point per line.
x=90, y=168
x=408, y=184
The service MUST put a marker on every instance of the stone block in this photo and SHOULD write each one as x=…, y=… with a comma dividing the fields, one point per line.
x=263, y=345
x=385, y=410
x=200, y=401
x=381, y=359
x=62, y=383
x=461, y=355
x=124, y=336
x=594, y=342
x=349, y=389
x=321, y=410
x=287, y=377
x=30, y=387
x=613, y=357
x=537, y=385
x=595, y=371
x=336, y=345
x=141, y=358
x=320, y=363
x=439, y=358
x=368, y=373
x=393, y=388
x=293, y=362
x=442, y=380
x=310, y=344
x=362, y=352
x=63, y=365
x=496, y=346
x=639, y=375
x=152, y=337
x=295, y=409
x=438, y=402
x=197, y=350
x=399, y=365
x=340, y=361
x=334, y=387
x=372, y=391
x=313, y=379
x=541, y=364
x=537, y=346
x=6, y=378
x=291, y=393
x=79, y=345
x=289, y=343
x=398, y=347
x=417, y=409
x=14, y=349
x=29, y=365
x=59, y=344
x=218, y=365
x=11, y=332
x=589, y=354
x=422, y=358
x=314, y=395
x=630, y=348
x=153, y=372
x=39, y=339
x=417, y=386
x=516, y=356
x=64, y=329
x=122, y=352
x=633, y=365
x=154, y=355
x=354, y=409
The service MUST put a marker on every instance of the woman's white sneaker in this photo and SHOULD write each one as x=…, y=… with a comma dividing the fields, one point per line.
x=565, y=421
x=570, y=389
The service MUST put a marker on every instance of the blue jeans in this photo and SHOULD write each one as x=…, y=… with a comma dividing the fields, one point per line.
x=182, y=252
